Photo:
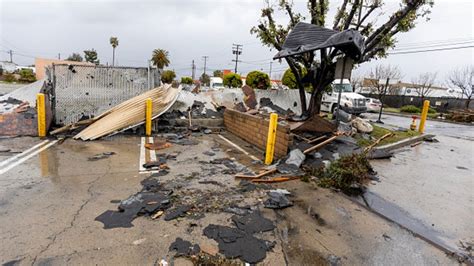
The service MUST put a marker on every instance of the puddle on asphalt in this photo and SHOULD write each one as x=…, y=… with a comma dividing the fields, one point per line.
x=396, y=214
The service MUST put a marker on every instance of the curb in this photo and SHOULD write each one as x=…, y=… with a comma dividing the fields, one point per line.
x=431, y=119
x=403, y=143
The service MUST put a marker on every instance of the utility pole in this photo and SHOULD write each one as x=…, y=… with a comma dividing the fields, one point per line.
x=193, y=69
x=205, y=61
x=237, y=50
x=11, y=56
x=270, y=74
x=59, y=56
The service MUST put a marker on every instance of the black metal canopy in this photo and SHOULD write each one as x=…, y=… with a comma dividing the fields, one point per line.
x=305, y=37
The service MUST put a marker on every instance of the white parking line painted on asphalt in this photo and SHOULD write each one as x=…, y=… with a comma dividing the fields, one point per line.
x=142, y=156
x=23, y=159
x=152, y=152
x=142, y=160
x=13, y=158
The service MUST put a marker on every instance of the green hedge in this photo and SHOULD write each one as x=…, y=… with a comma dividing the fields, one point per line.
x=410, y=109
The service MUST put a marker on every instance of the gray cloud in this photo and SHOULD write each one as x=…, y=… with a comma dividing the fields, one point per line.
x=191, y=29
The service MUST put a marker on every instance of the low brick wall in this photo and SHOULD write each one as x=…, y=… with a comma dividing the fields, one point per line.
x=24, y=123
x=254, y=130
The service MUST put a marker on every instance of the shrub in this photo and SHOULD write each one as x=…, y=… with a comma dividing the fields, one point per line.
x=289, y=80
x=431, y=111
x=187, y=80
x=217, y=73
x=167, y=76
x=9, y=77
x=205, y=79
x=258, y=80
x=410, y=109
x=232, y=80
x=348, y=173
x=27, y=75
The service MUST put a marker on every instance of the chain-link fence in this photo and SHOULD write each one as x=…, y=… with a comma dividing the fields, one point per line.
x=81, y=92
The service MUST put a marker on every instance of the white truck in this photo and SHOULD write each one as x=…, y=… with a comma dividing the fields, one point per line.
x=216, y=83
x=351, y=102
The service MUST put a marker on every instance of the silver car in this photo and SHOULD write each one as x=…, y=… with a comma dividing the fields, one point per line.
x=373, y=105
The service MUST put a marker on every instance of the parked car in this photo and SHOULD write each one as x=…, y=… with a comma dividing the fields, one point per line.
x=373, y=105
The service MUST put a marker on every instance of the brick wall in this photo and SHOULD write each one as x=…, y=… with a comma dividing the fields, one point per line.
x=254, y=130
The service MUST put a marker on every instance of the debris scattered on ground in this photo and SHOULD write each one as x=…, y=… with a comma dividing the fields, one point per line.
x=253, y=223
x=277, y=199
x=184, y=248
x=151, y=199
x=179, y=211
x=158, y=145
x=236, y=243
x=101, y=156
x=209, y=153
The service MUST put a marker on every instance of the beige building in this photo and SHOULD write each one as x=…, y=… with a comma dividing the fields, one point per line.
x=42, y=63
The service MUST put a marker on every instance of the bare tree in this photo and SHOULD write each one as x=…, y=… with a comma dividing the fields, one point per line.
x=462, y=78
x=423, y=84
x=381, y=79
x=356, y=82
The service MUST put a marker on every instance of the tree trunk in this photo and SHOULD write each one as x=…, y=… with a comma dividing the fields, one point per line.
x=468, y=101
x=315, y=103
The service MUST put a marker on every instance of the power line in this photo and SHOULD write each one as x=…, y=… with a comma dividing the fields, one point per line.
x=432, y=45
x=432, y=50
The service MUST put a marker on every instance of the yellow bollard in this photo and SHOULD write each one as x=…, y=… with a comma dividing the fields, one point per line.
x=41, y=111
x=148, y=113
x=424, y=114
x=271, y=139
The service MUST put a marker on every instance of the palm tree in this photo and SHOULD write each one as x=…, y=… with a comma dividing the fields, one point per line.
x=114, y=42
x=160, y=58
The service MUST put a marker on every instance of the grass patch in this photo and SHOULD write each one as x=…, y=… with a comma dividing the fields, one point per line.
x=378, y=132
x=391, y=110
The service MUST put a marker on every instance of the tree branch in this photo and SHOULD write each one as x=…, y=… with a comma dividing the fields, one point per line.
x=339, y=15
x=374, y=39
x=372, y=9
x=351, y=14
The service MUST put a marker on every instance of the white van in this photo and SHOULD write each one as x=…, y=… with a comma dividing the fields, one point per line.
x=216, y=83
x=351, y=102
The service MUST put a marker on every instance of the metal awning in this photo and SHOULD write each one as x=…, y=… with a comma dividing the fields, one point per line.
x=307, y=37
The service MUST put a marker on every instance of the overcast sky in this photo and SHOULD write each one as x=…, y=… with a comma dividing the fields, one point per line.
x=190, y=29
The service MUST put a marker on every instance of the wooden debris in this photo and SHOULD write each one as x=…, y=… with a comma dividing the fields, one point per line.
x=368, y=148
x=157, y=215
x=158, y=145
x=317, y=146
x=275, y=180
x=271, y=171
x=316, y=139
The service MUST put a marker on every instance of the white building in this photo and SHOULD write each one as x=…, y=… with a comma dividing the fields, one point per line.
x=8, y=67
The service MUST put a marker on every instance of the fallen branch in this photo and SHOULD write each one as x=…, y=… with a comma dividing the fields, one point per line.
x=317, y=146
x=378, y=141
x=73, y=126
x=271, y=171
